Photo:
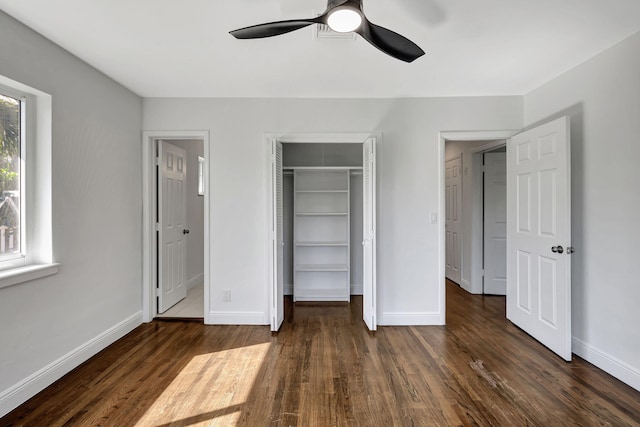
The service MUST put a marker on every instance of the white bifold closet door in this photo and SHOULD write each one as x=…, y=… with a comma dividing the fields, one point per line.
x=369, y=233
x=278, y=238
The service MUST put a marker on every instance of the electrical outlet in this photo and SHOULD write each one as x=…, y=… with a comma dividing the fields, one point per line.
x=226, y=295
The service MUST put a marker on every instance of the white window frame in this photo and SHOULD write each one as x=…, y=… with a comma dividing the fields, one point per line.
x=36, y=258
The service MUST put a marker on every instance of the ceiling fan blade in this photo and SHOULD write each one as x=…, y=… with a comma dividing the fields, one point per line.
x=390, y=42
x=272, y=28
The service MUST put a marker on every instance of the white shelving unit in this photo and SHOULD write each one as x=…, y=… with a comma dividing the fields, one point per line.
x=321, y=254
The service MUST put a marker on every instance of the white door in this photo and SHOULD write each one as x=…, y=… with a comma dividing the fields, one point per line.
x=495, y=223
x=453, y=222
x=171, y=225
x=369, y=308
x=277, y=295
x=539, y=234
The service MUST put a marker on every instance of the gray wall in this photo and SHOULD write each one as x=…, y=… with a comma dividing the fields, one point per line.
x=408, y=187
x=356, y=234
x=287, y=217
x=96, y=212
x=195, y=213
x=602, y=98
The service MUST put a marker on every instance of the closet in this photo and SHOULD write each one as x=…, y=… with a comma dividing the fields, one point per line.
x=322, y=217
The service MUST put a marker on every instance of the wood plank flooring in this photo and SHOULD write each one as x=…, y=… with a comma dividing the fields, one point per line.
x=324, y=369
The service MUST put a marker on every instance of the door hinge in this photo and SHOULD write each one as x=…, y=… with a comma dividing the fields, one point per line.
x=156, y=161
x=156, y=226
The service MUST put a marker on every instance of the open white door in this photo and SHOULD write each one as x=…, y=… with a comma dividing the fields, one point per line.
x=171, y=225
x=369, y=233
x=453, y=222
x=495, y=224
x=277, y=293
x=539, y=234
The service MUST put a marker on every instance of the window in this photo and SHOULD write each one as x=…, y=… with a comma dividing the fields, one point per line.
x=25, y=184
x=11, y=176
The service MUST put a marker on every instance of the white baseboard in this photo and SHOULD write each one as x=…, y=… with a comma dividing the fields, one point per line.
x=19, y=393
x=236, y=318
x=355, y=289
x=624, y=372
x=466, y=285
x=411, y=319
x=195, y=281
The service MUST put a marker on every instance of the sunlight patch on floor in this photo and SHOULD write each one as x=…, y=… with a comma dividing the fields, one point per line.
x=222, y=381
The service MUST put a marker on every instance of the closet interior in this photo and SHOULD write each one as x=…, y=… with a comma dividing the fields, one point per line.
x=322, y=214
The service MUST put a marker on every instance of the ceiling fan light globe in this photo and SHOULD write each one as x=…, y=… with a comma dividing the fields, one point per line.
x=344, y=20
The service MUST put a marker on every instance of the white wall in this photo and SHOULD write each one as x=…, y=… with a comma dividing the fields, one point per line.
x=408, y=177
x=602, y=97
x=356, y=229
x=96, y=296
x=287, y=217
x=195, y=213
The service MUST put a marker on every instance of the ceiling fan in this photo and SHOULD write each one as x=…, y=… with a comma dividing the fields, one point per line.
x=343, y=16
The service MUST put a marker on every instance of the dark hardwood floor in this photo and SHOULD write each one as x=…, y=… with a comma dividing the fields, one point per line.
x=325, y=369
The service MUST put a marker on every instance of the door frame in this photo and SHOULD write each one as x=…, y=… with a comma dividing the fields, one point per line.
x=149, y=236
x=326, y=138
x=475, y=261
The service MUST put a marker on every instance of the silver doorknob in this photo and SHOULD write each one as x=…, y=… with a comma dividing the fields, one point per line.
x=557, y=249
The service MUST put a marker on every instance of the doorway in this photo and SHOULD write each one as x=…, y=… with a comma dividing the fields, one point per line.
x=185, y=238
x=467, y=236
x=197, y=274
x=321, y=244
x=538, y=222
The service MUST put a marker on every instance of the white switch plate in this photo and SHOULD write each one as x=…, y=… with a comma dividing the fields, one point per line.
x=434, y=217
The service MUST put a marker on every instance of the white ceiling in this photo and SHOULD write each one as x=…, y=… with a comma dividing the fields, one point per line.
x=181, y=48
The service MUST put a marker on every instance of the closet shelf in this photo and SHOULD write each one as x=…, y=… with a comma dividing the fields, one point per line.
x=322, y=267
x=321, y=253
x=327, y=244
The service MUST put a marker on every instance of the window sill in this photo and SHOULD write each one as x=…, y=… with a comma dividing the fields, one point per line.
x=15, y=276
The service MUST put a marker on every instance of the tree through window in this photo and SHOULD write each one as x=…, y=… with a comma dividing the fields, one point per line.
x=10, y=164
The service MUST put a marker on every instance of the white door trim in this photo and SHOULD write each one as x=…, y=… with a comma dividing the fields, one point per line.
x=149, y=240
x=326, y=138
x=443, y=137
